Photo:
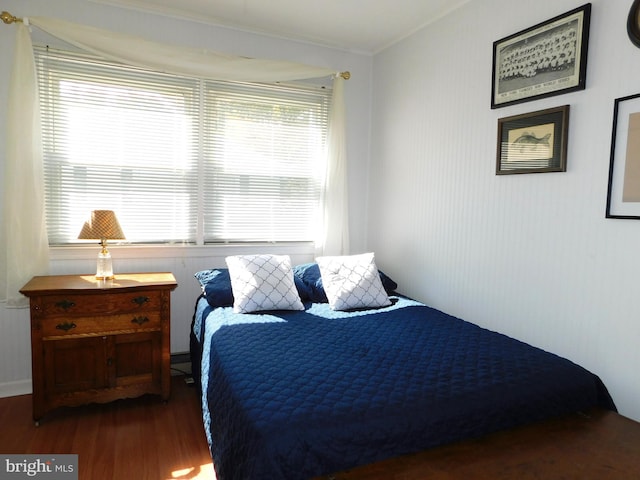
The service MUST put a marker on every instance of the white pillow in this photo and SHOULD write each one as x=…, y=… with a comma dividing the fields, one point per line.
x=262, y=282
x=352, y=282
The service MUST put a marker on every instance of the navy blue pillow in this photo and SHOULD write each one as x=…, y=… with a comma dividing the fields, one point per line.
x=389, y=285
x=216, y=286
x=309, y=275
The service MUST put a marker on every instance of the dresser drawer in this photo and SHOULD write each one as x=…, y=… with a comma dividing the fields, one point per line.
x=99, y=325
x=99, y=304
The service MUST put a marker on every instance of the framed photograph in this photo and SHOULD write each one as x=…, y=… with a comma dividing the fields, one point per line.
x=547, y=59
x=533, y=142
x=623, y=195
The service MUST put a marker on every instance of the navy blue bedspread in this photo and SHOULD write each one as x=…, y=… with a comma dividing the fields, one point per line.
x=293, y=395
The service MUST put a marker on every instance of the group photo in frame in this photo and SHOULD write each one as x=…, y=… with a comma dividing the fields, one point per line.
x=623, y=193
x=533, y=142
x=547, y=59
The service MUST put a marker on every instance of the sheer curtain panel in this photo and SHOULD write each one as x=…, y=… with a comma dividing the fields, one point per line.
x=25, y=248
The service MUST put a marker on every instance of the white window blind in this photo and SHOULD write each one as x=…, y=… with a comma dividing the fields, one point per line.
x=179, y=159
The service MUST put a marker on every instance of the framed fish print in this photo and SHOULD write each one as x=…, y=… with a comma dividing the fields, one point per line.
x=547, y=59
x=533, y=142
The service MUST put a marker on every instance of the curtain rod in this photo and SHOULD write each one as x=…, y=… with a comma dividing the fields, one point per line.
x=8, y=18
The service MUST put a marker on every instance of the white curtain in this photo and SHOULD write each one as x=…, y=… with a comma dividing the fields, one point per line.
x=29, y=258
x=24, y=244
x=335, y=224
x=137, y=51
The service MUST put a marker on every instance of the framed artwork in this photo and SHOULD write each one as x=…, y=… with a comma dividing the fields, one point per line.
x=533, y=142
x=633, y=23
x=623, y=194
x=547, y=59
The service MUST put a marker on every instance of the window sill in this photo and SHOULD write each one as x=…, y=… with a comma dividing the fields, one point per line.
x=80, y=252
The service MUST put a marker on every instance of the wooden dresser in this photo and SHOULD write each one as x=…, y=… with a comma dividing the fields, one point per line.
x=99, y=340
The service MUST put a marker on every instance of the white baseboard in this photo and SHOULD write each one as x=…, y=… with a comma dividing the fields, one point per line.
x=11, y=389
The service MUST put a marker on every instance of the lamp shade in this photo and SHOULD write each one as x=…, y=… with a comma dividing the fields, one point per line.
x=103, y=224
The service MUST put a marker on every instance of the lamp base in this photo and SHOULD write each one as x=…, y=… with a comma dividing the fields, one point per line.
x=104, y=269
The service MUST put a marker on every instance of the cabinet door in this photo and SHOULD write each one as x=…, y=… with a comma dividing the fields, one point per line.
x=74, y=364
x=136, y=359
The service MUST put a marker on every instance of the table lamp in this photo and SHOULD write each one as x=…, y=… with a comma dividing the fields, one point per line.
x=103, y=225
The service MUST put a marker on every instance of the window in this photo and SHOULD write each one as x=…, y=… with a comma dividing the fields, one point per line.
x=179, y=159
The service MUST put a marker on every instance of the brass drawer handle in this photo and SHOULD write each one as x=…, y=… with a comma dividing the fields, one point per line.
x=65, y=304
x=140, y=300
x=66, y=326
x=139, y=320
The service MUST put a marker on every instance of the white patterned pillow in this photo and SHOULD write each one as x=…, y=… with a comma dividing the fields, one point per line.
x=352, y=282
x=262, y=282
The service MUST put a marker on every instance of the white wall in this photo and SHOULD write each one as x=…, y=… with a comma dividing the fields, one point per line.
x=528, y=255
x=15, y=359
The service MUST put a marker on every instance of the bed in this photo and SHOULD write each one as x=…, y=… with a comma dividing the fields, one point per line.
x=305, y=392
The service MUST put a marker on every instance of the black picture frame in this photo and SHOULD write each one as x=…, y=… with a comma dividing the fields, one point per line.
x=534, y=142
x=547, y=59
x=633, y=23
x=623, y=192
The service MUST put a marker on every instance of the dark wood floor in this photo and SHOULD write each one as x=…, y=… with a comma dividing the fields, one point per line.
x=600, y=446
x=146, y=439
x=140, y=439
